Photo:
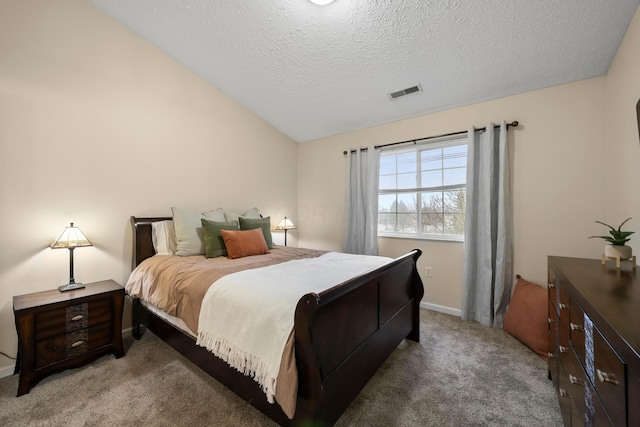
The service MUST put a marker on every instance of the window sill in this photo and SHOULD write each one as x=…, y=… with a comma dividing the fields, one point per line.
x=453, y=239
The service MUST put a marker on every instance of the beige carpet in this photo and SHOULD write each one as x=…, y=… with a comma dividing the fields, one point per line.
x=460, y=374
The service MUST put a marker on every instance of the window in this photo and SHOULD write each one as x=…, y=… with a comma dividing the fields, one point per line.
x=422, y=190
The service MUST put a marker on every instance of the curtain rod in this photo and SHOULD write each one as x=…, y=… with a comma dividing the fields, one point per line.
x=514, y=123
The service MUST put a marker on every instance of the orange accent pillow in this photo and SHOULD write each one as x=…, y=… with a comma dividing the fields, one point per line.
x=241, y=243
x=527, y=317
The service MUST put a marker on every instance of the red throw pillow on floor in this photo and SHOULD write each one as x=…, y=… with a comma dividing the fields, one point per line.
x=527, y=317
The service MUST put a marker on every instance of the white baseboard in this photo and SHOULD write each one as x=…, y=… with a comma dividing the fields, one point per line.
x=441, y=309
x=7, y=370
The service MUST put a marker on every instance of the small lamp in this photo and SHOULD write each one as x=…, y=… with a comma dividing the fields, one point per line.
x=285, y=225
x=71, y=238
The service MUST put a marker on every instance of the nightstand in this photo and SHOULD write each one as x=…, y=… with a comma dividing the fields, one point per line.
x=61, y=330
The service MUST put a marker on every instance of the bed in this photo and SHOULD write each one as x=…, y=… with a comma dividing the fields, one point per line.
x=374, y=311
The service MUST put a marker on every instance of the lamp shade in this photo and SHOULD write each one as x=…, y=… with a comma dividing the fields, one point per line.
x=71, y=237
x=285, y=224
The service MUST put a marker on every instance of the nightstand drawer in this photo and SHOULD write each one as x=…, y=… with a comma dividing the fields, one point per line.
x=74, y=317
x=72, y=344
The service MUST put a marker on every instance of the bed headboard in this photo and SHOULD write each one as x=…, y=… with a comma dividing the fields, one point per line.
x=142, y=243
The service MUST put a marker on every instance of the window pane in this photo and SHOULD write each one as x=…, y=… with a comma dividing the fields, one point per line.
x=454, y=201
x=406, y=162
x=387, y=165
x=454, y=224
x=431, y=202
x=397, y=213
x=386, y=221
x=455, y=156
x=455, y=176
x=388, y=182
x=432, y=178
x=407, y=203
x=386, y=202
x=407, y=218
x=431, y=159
x=407, y=180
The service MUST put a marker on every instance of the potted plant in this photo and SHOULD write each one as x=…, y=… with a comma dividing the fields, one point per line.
x=616, y=247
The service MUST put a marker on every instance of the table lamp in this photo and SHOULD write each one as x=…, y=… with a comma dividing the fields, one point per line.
x=285, y=225
x=71, y=238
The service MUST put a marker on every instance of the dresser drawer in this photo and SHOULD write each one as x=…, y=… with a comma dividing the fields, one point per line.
x=74, y=317
x=562, y=305
x=564, y=395
x=609, y=379
x=576, y=329
x=575, y=385
x=61, y=347
x=564, y=348
x=551, y=287
x=598, y=416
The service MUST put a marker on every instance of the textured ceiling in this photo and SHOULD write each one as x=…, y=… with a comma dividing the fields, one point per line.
x=313, y=71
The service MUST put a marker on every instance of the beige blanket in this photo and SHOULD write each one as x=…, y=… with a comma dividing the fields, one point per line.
x=177, y=285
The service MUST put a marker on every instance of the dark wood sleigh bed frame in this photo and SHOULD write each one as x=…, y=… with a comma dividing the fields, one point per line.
x=342, y=336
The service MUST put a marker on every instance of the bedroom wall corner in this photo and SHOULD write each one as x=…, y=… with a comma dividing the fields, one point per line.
x=98, y=125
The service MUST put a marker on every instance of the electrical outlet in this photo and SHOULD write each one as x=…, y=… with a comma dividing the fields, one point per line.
x=427, y=271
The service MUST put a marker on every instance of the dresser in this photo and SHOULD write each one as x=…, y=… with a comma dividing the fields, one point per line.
x=594, y=341
x=61, y=330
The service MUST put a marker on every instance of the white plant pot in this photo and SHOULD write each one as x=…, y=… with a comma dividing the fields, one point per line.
x=618, y=251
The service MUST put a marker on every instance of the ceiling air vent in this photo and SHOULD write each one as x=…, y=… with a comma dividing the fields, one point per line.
x=407, y=91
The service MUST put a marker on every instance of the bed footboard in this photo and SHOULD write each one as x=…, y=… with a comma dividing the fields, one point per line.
x=343, y=335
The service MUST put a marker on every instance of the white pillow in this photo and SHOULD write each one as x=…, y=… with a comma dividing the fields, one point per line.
x=163, y=237
x=188, y=229
x=250, y=214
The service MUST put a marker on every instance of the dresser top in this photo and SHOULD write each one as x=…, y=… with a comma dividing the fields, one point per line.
x=609, y=296
x=37, y=299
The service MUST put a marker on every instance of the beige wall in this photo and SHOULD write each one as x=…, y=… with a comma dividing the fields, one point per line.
x=97, y=125
x=558, y=189
x=622, y=143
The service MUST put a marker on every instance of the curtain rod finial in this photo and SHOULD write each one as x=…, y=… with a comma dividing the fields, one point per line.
x=514, y=123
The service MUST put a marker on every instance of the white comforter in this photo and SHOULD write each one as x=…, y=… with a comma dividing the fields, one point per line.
x=246, y=317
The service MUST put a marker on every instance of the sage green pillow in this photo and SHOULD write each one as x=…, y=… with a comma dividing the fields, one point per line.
x=264, y=223
x=188, y=229
x=213, y=242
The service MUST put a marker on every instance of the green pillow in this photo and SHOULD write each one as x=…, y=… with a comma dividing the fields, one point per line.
x=264, y=223
x=213, y=243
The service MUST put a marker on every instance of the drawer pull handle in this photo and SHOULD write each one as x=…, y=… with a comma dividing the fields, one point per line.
x=76, y=318
x=563, y=393
x=563, y=349
x=77, y=343
x=550, y=355
x=551, y=321
x=575, y=380
x=563, y=306
x=552, y=285
x=604, y=377
x=576, y=327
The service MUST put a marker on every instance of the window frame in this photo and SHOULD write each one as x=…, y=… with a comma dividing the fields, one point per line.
x=450, y=141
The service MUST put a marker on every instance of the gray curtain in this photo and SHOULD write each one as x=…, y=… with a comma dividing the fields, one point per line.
x=488, y=254
x=361, y=215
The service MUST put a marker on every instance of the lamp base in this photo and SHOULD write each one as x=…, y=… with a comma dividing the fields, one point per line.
x=70, y=287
